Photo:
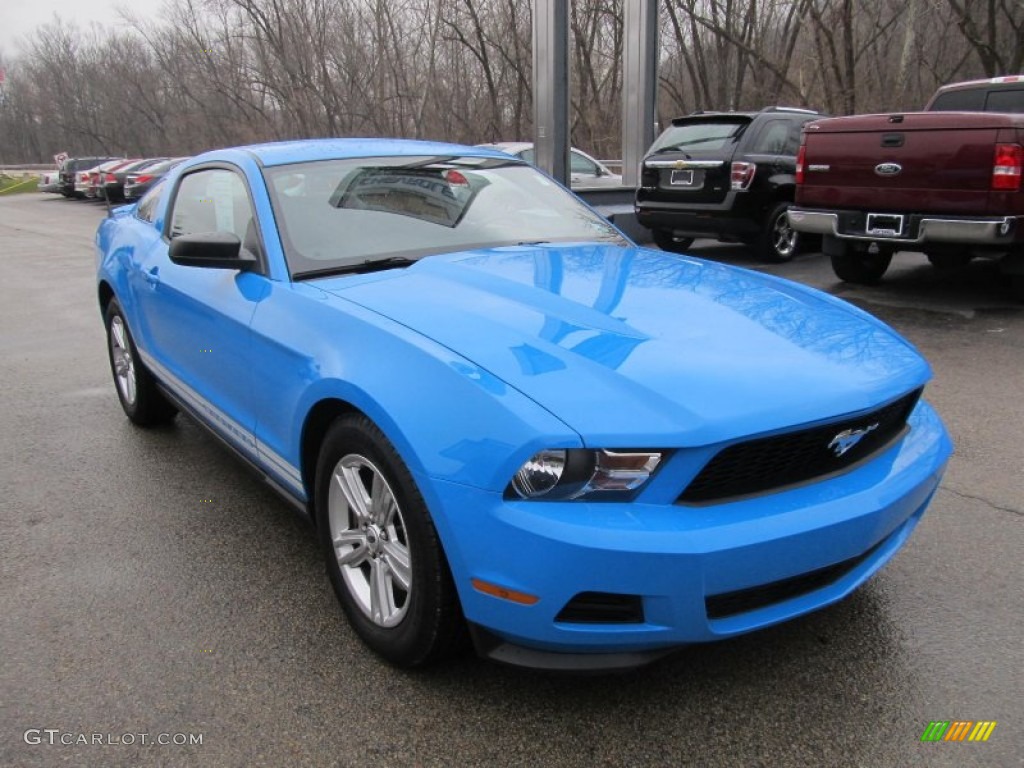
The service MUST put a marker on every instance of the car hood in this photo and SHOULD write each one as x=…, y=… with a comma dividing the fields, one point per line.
x=637, y=348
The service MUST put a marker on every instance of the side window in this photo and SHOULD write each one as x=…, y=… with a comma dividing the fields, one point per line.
x=967, y=100
x=214, y=200
x=579, y=164
x=772, y=138
x=1009, y=100
x=793, y=138
x=147, y=205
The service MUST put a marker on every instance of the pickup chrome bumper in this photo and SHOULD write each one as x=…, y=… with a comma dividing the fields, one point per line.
x=999, y=230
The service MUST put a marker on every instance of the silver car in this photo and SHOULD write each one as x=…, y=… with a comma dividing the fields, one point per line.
x=584, y=171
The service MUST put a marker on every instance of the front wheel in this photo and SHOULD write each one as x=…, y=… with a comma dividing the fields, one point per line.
x=667, y=241
x=779, y=242
x=383, y=554
x=862, y=268
x=140, y=398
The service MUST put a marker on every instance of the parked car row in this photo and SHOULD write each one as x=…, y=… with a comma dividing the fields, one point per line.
x=117, y=179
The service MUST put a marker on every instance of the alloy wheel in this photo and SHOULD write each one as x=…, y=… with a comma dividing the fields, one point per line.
x=370, y=540
x=124, y=363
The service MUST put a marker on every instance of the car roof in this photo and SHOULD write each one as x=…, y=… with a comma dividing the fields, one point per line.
x=509, y=147
x=307, y=150
x=710, y=115
x=1007, y=81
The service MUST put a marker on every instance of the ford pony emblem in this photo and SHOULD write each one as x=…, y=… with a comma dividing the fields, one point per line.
x=888, y=169
x=848, y=438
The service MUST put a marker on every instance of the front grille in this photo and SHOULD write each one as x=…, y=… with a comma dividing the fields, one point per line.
x=770, y=463
x=732, y=603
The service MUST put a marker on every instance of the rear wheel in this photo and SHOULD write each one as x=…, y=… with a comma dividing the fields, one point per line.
x=383, y=554
x=862, y=268
x=779, y=242
x=667, y=241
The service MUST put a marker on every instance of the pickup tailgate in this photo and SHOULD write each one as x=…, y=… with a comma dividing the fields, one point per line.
x=939, y=162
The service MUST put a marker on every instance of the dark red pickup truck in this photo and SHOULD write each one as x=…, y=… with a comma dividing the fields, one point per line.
x=944, y=183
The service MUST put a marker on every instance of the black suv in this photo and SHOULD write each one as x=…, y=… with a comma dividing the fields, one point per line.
x=724, y=175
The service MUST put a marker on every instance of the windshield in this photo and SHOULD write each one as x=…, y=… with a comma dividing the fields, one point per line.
x=703, y=136
x=336, y=215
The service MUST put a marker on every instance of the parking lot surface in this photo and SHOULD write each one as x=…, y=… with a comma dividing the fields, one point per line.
x=151, y=586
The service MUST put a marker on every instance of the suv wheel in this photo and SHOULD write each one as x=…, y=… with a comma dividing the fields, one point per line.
x=862, y=268
x=665, y=240
x=779, y=242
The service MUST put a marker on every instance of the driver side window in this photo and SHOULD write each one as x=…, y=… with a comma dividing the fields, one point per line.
x=213, y=200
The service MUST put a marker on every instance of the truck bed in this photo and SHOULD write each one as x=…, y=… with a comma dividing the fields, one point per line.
x=919, y=162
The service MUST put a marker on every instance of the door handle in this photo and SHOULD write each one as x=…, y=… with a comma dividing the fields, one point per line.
x=153, y=276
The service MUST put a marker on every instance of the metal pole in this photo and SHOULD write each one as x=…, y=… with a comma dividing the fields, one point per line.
x=551, y=87
x=639, y=85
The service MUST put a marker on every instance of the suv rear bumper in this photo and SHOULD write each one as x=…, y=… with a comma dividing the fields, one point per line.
x=732, y=219
x=920, y=229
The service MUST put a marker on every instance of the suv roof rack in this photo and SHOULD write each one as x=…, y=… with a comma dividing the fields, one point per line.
x=801, y=110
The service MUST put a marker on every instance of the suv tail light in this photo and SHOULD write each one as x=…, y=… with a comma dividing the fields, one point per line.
x=800, y=158
x=742, y=174
x=1006, y=168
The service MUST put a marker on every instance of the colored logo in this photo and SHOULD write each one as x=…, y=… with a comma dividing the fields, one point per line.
x=958, y=730
x=888, y=169
x=848, y=438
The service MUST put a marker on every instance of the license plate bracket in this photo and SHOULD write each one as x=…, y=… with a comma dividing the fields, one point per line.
x=884, y=224
x=682, y=178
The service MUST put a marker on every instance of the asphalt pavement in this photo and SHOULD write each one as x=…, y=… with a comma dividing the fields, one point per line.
x=151, y=590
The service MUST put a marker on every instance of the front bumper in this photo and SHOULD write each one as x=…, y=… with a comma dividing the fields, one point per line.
x=680, y=559
x=920, y=229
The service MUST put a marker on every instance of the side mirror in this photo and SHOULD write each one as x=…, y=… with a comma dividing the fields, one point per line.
x=217, y=250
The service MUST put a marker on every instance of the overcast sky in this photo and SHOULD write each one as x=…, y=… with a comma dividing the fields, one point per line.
x=19, y=17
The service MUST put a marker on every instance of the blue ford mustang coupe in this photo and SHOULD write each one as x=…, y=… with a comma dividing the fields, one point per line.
x=506, y=421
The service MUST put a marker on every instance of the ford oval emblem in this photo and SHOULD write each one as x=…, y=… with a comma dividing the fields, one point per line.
x=888, y=169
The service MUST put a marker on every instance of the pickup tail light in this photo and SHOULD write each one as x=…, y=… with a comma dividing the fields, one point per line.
x=742, y=174
x=801, y=158
x=1006, y=168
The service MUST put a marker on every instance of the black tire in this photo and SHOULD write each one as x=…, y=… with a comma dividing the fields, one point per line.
x=665, y=240
x=778, y=242
x=140, y=398
x=862, y=268
x=389, y=545
x=948, y=261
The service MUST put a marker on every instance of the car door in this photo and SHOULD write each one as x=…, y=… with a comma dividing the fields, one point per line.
x=197, y=319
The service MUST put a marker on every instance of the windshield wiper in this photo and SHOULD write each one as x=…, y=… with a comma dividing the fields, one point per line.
x=368, y=265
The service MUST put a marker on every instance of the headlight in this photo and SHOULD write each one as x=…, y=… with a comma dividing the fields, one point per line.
x=576, y=473
x=539, y=474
